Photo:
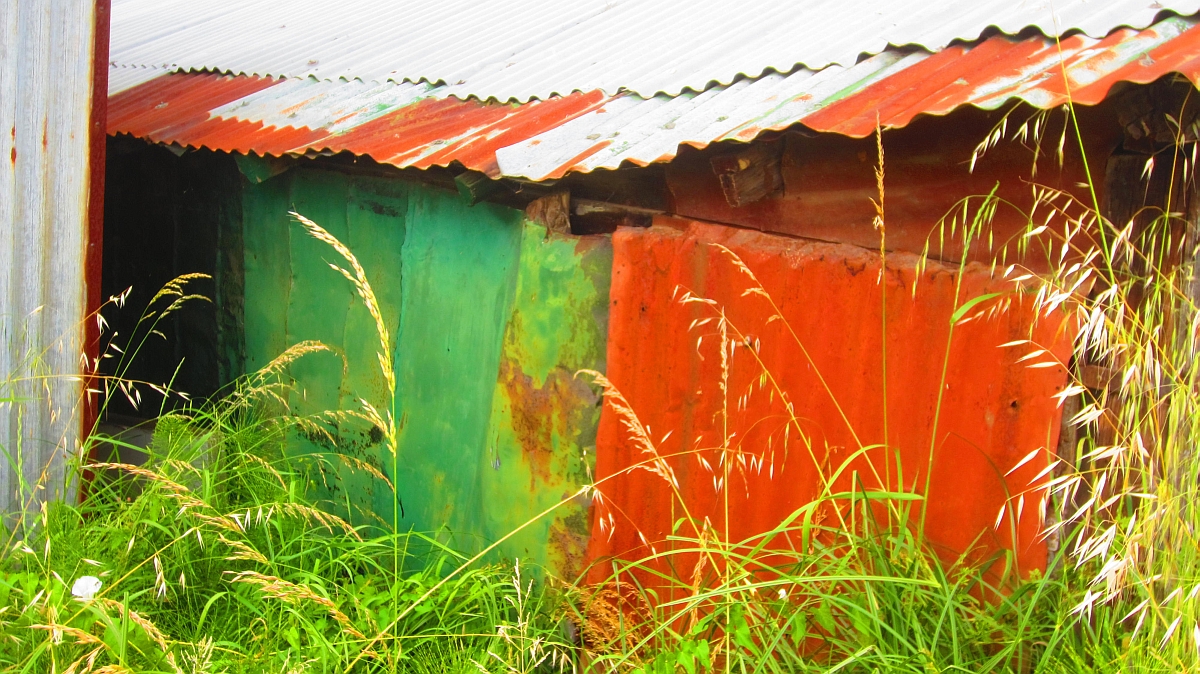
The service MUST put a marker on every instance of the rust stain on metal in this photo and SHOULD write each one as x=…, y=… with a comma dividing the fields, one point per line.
x=540, y=414
x=1036, y=70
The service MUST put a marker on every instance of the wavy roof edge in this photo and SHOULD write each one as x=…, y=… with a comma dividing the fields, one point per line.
x=545, y=49
x=989, y=32
x=421, y=125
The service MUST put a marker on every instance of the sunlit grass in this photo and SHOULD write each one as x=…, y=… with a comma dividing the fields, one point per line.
x=214, y=555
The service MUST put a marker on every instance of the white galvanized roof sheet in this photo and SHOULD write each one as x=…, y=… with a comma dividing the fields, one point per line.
x=889, y=89
x=523, y=49
x=128, y=77
x=643, y=131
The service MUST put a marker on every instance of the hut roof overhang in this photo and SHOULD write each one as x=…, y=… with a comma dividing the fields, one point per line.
x=168, y=85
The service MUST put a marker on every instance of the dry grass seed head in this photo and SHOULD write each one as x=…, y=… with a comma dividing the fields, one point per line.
x=292, y=354
x=362, y=286
x=358, y=464
x=242, y=551
x=295, y=594
x=81, y=637
x=636, y=430
x=308, y=514
x=87, y=661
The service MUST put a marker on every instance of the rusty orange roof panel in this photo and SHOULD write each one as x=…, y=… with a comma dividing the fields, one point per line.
x=401, y=124
x=1038, y=71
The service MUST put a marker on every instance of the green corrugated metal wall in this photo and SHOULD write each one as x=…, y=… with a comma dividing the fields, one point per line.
x=491, y=319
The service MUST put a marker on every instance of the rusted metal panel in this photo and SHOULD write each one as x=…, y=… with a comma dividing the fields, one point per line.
x=897, y=86
x=526, y=49
x=93, y=261
x=423, y=125
x=401, y=124
x=989, y=412
x=1038, y=71
x=542, y=435
x=46, y=57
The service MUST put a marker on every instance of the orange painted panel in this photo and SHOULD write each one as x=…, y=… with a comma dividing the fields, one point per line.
x=993, y=411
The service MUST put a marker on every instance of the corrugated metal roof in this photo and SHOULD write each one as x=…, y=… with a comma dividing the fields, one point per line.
x=407, y=125
x=122, y=78
x=523, y=49
x=893, y=85
x=420, y=125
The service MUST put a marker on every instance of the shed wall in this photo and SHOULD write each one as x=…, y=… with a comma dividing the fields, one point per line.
x=960, y=412
x=46, y=79
x=491, y=317
x=490, y=320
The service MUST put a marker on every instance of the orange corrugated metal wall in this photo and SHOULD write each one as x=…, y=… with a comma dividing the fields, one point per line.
x=993, y=411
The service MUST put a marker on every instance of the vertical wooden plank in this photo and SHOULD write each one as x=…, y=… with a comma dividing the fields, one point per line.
x=317, y=306
x=319, y=298
x=230, y=281
x=292, y=295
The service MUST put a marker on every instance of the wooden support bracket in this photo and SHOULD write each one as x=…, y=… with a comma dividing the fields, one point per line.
x=751, y=174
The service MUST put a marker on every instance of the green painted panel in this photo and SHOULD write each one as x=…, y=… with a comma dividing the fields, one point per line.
x=292, y=295
x=375, y=212
x=490, y=319
x=543, y=423
x=268, y=272
x=319, y=299
x=460, y=266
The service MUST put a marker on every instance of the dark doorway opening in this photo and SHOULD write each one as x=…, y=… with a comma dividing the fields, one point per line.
x=169, y=213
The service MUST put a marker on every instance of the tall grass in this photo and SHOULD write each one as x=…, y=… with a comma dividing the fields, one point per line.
x=214, y=555
x=848, y=581
x=1125, y=487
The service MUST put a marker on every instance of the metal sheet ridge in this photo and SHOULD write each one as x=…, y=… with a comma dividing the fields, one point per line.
x=894, y=85
x=527, y=49
x=421, y=125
